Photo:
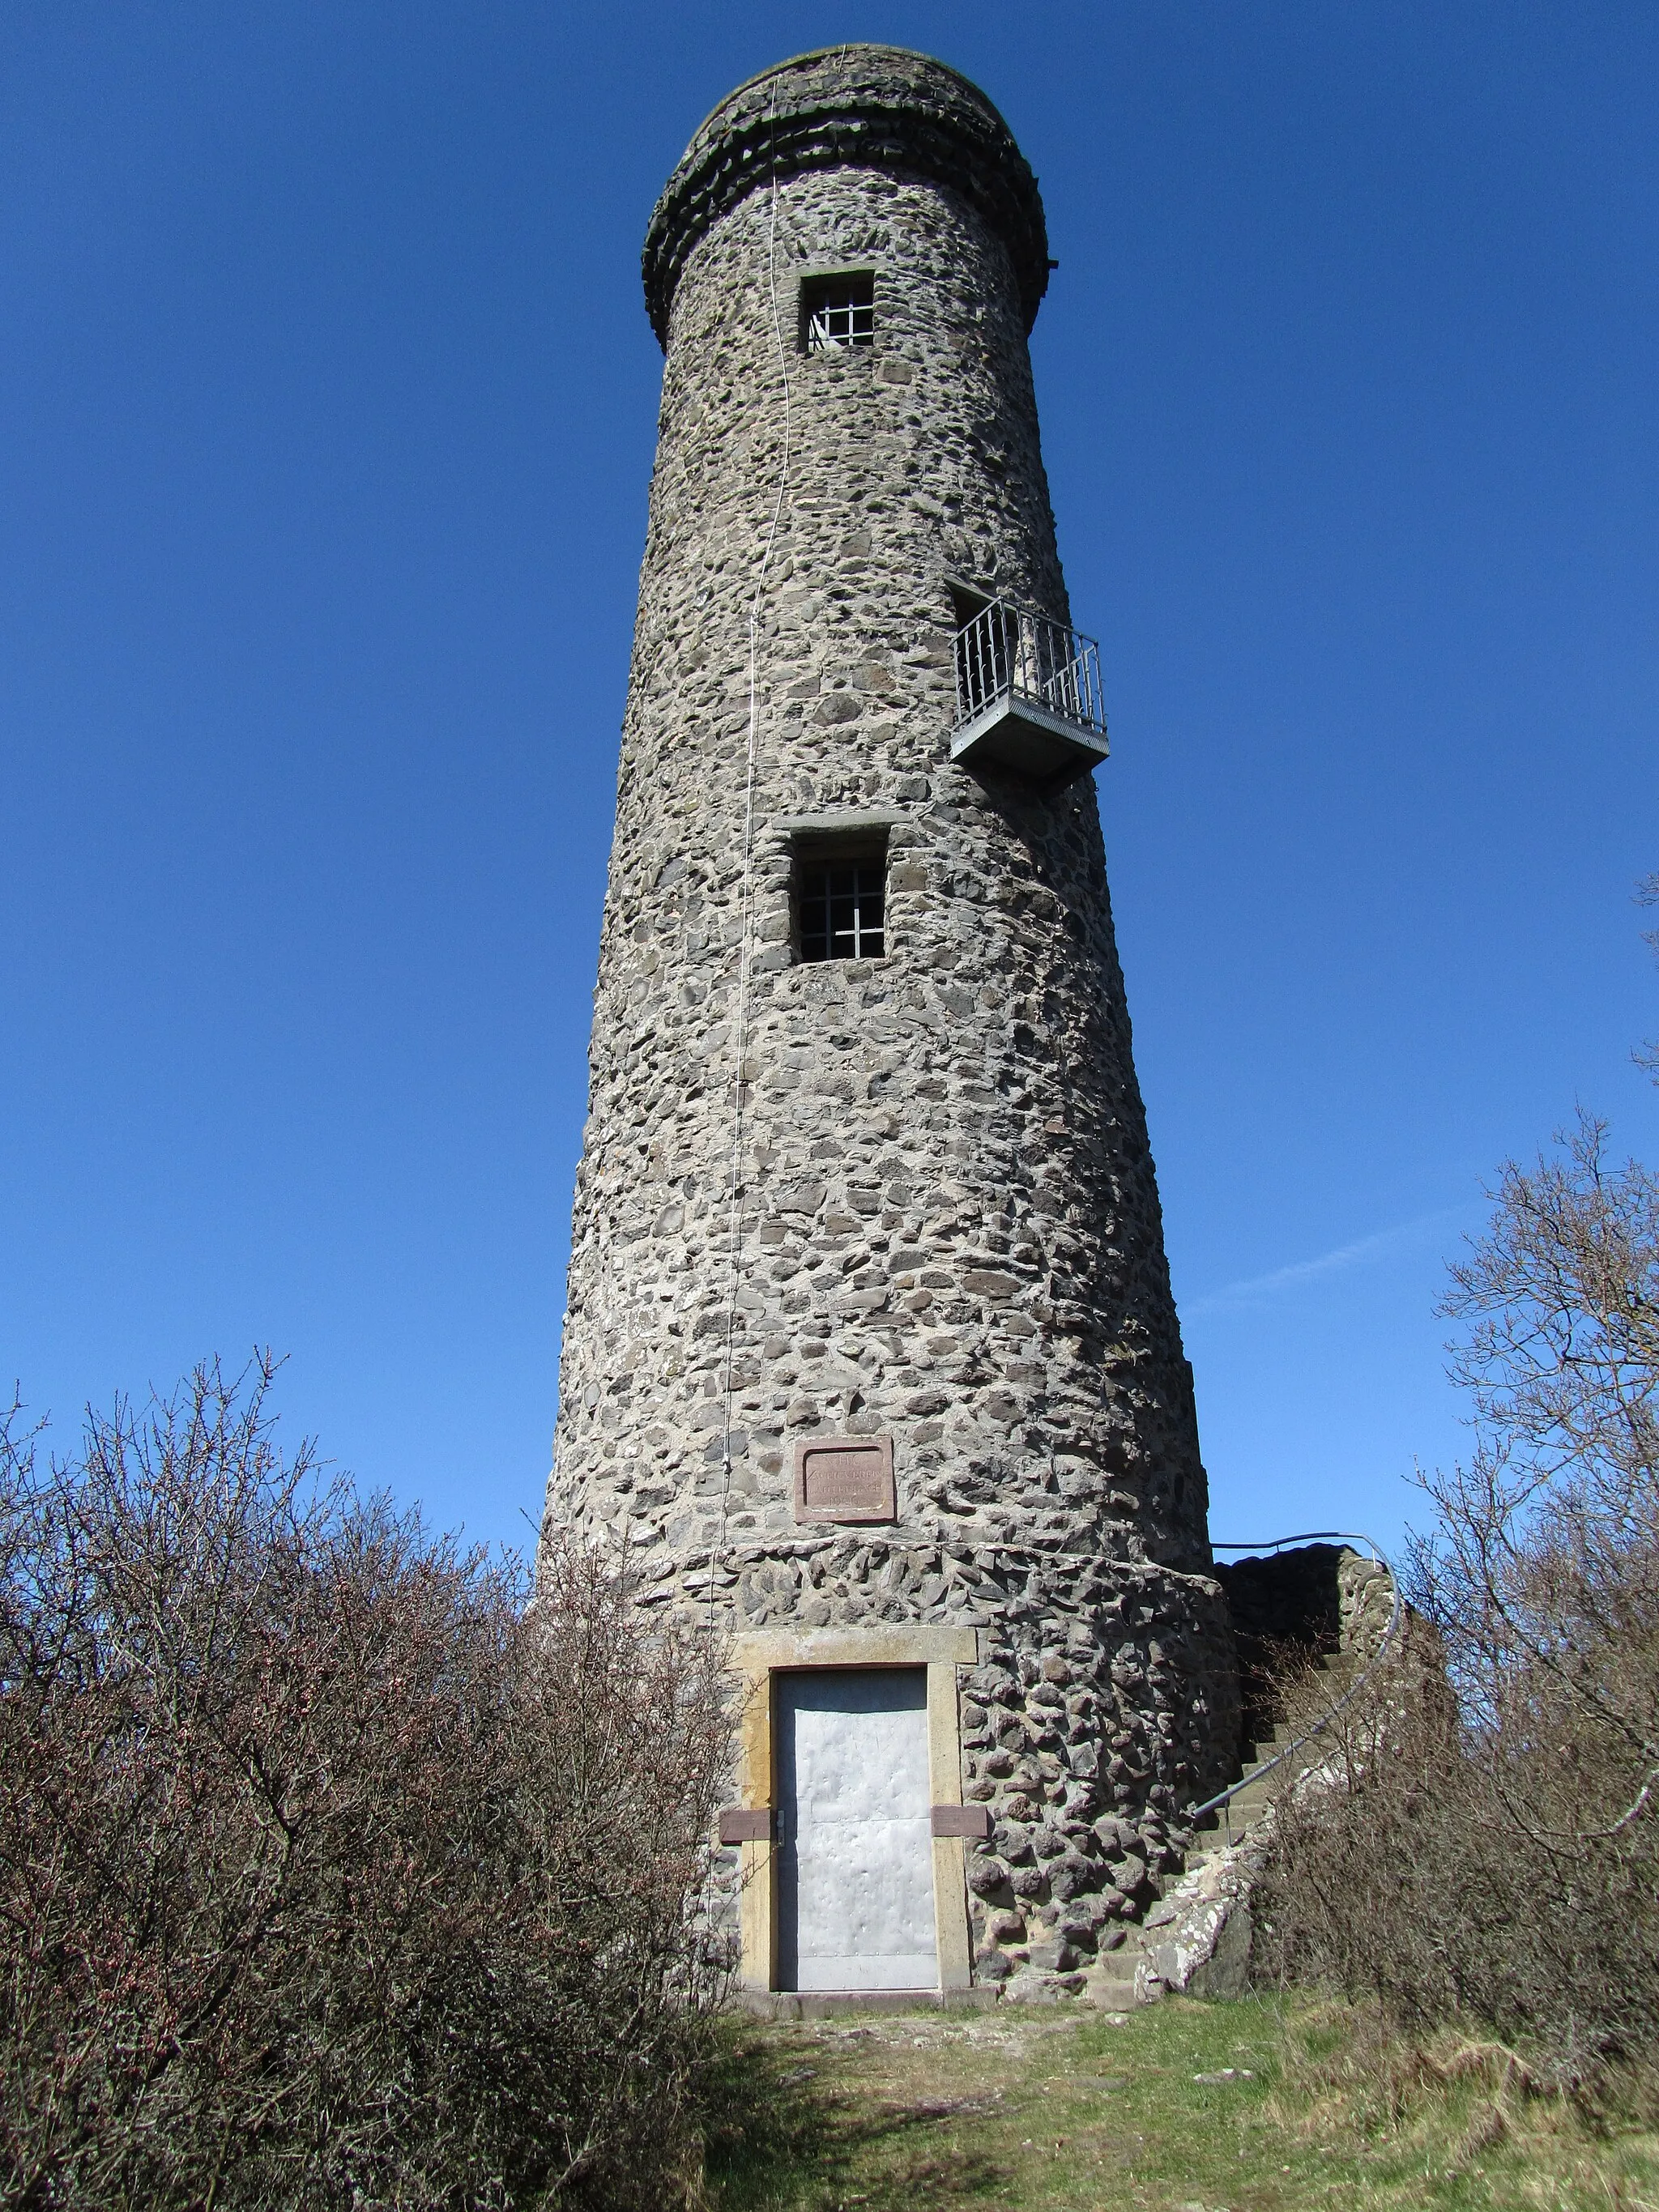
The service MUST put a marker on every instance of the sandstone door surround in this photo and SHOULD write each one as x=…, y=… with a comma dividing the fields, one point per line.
x=760, y=1659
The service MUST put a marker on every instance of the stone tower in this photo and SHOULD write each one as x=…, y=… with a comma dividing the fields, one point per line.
x=871, y=1360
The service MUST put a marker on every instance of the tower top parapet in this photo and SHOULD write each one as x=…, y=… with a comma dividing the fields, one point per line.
x=862, y=107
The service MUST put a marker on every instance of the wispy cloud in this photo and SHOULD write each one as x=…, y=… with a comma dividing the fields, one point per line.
x=1255, y=1290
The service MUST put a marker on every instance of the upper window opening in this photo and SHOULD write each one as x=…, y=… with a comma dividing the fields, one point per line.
x=837, y=311
x=840, y=899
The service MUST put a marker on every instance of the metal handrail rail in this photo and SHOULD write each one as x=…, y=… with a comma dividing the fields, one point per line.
x=1006, y=651
x=1396, y=1613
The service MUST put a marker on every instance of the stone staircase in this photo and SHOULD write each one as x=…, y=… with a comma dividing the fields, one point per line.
x=1113, y=1982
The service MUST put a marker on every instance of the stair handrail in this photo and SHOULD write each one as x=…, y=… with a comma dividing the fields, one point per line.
x=1396, y=1615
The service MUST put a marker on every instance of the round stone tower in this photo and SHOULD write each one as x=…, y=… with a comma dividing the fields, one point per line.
x=871, y=1361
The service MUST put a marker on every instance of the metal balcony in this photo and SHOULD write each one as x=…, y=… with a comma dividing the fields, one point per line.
x=1028, y=696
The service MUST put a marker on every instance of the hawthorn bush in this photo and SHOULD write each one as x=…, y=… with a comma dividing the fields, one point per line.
x=339, y=1866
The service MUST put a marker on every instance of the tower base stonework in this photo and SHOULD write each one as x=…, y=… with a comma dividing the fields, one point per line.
x=1080, y=1706
x=872, y=1368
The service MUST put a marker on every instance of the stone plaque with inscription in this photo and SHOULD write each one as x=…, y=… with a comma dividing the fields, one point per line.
x=845, y=1479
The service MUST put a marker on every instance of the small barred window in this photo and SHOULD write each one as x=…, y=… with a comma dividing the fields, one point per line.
x=837, y=311
x=840, y=903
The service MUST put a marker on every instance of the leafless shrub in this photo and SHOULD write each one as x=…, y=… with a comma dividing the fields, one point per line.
x=332, y=1869
x=1496, y=1856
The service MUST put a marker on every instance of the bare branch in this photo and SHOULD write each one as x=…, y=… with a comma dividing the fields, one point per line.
x=330, y=1870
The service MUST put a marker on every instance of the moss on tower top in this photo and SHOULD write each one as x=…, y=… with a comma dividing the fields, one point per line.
x=860, y=106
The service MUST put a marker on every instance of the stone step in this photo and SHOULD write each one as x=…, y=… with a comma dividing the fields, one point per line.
x=1254, y=1797
x=1258, y=1768
x=823, y=2004
x=1241, y=1811
x=1113, y=1982
x=1260, y=1781
x=1228, y=1822
x=1112, y=1985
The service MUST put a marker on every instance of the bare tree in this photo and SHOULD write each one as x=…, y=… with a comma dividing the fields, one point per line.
x=1542, y=1569
x=1501, y=1857
x=332, y=1870
x=1647, y=894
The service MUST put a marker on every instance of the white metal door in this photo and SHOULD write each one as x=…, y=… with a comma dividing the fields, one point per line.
x=856, y=1857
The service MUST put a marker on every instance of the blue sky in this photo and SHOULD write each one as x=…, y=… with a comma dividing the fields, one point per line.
x=326, y=411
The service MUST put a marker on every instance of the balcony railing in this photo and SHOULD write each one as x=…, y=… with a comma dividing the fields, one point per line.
x=1027, y=695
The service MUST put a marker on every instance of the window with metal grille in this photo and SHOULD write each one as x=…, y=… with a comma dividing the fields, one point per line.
x=839, y=904
x=837, y=311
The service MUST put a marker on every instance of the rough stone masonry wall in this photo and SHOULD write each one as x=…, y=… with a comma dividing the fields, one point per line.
x=949, y=1231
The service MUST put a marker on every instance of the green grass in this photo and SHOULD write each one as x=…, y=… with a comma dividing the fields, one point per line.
x=1053, y=2111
